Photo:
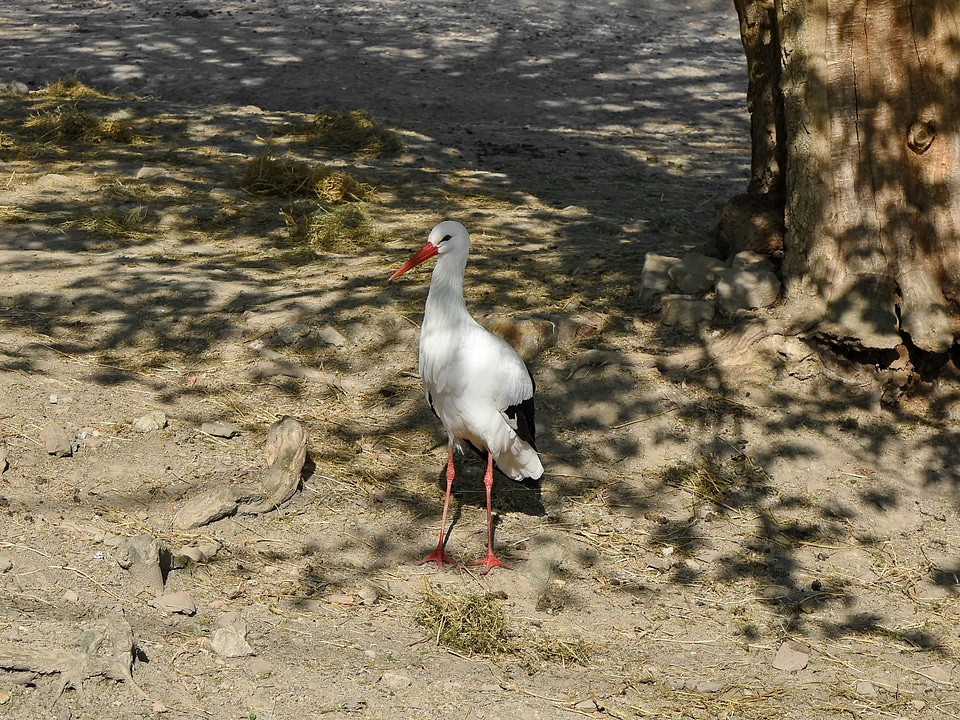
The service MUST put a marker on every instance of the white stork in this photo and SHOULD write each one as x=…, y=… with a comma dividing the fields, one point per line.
x=475, y=382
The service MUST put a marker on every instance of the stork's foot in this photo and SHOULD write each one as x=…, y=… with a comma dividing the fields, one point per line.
x=489, y=562
x=439, y=556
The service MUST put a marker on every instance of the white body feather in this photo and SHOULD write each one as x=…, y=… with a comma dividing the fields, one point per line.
x=471, y=376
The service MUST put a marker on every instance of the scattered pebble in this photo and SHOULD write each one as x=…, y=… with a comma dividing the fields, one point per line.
x=180, y=603
x=219, y=429
x=340, y=599
x=792, y=656
x=395, y=681
x=229, y=642
x=6, y=564
x=369, y=594
x=151, y=422
x=3, y=460
x=71, y=597
x=866, y=688
x=149, y=171
x=56, y=441
x=331, y=336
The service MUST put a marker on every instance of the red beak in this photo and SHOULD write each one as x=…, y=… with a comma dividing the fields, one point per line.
x=424, y=253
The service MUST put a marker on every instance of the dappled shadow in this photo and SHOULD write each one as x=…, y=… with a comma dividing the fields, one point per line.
x=509, y=120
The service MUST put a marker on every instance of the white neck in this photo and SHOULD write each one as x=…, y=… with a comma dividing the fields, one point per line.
x=445, y=304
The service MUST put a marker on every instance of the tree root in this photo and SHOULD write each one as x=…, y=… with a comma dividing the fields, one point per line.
x=106, y=651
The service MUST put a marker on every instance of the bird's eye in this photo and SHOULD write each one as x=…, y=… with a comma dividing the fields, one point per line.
x=444, y=239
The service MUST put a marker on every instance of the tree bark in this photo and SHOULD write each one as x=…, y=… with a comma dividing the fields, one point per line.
x=869, y=152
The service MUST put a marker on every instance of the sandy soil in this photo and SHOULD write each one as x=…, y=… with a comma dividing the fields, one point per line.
x=732, y=525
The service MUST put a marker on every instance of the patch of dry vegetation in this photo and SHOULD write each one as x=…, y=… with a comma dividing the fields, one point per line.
x=476, y=624
x=270, y=176
x=355, y=132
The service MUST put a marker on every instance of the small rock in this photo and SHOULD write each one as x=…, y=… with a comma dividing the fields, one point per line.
x=708, y=686
x=337, y=599
x=55, y=180
x=685, y=312
x=4, y=464
x=748, y=287
x=180, y=603
x=229, y=642
x=654, y=279
x=588, y=705
x=6, y=564
x=331, y=336
x=695, y=273
x=219, y=429
x=201, y=553
x=395, y=681
x=233, y=619
x=866, y=688
x=207, y=507
x=16, y=88
x=747, y=258
x=151, y=422
x=293, y=333
x=56, y=441
x=149, y=171
x=792, y=657
x=71, y=597
x=369, y=594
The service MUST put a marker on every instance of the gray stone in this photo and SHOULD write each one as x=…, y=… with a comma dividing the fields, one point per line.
x=655, y=280
x=295, y=333
x=683, y=311
x=695, y=273
x=3, y=460
x=207, y=507
x=331, y=336
x=151, y=422
x=747, y=287
x=219, y=429
x=229, y=642
x=56, y=441
x=395, y=681
x=792, y=657
x=6, y=564
x=747, y=258
x=179, y=603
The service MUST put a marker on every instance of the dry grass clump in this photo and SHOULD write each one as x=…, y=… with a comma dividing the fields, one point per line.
x=71, y=87
x=113, y=224
x=344, y=228
x=728, y=484
x=270, y=176
x=475, y=624
x=69, y=124
x=354, y=131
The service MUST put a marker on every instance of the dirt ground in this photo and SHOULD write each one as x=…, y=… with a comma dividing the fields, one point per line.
x=730, y=525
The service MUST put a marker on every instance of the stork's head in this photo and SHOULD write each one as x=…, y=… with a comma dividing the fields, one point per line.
x=447, y=237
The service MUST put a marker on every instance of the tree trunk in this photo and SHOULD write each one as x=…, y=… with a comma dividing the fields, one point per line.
x=868, y=147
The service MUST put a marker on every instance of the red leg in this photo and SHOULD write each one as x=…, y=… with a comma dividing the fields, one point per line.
x=490, y=560
x=439, y=556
